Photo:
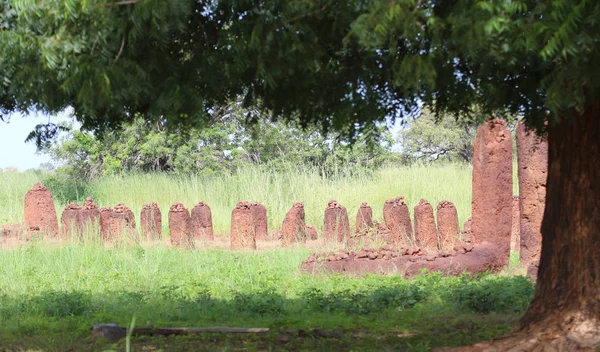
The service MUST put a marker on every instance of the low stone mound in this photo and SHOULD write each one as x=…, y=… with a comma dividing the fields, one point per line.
x=311, y=233
x=407, y=262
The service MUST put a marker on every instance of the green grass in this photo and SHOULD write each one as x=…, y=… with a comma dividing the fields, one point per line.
x=50, y=297
x=278, y=191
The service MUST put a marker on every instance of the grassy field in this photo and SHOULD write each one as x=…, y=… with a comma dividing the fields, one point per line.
x=278, y=191
x=51, y=295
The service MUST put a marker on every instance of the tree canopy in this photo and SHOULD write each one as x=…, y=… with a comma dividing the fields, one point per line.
x=334, y=64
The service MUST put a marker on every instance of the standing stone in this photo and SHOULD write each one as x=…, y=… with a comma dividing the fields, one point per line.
x=425, y=229
x=151, y=221
x=89, y=216
x=466, y=234
x=261, y=226
x=40, y=213
x=397, y=218
x=105, y=223
x=336, y=226
x=447, y=223
x=532, y=158
x=294, y=227
x=68, y=220
x=364, y=217
x=202, y=227
x=515, y=238
x=122, y=223
x=492, y=188
x=243, y=229
x=180, y=227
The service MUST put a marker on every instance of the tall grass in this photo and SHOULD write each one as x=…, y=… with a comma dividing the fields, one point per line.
x=277, y=190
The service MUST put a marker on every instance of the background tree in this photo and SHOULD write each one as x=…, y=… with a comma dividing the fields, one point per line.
x=346, y=65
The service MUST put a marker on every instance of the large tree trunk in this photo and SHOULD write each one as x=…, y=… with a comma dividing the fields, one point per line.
x=565, y=312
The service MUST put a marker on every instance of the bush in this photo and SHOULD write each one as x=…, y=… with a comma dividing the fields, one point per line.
x=494, y=294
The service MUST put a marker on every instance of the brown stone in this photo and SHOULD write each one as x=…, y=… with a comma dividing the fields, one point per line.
x=311, y=233
x=12, y=231
x=88, y=216
x=397, y=218
x=121, y=223
x=466, y=234
x=294, y=227
x=425, y=229
x=364, y=217
x=493, y=188
x=180, y=226
x=202, y=227
x=515, y=238
x=151, y=221
x=243, y=235
x=336, y=226
x=105, y=223
x=40, y=213
x=447, y=224
x=261, y=226
x=532, y=151
x=68, y=220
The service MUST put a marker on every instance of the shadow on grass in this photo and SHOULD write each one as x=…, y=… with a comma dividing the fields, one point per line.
x=409, y=315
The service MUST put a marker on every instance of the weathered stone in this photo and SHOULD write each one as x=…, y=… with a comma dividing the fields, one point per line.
x=515, y=238
x=532, y=151
x=180, y=226
x=40, y=213
x=466, y=234
x=243, y=229
x=202, y=226
x=447, y=223
x=492, y=188
x=336, y=226
x=425, y=229
x=311, y=233
x=397, y=218
x=364, y=217
x=294, y=227
x=68, y=220
x=151, y=221
x=261, y=225
x=88, y=217
x=105, y=223
x=122, y=223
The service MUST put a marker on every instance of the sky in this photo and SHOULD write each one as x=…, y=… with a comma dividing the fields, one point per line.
x=14, y=152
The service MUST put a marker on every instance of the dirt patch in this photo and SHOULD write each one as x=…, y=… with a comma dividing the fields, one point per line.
x=336, y=226
x=492, y=188
x=89, y=215
x=293, y=229
x=151, y=221
x=40, y=213
x=425, y=229
x=407, y=262
x=447, y=224
x=532, y=151
x=243, y=235
x=261, y=225
x=202, y=226
x=69, y=220
x=364, y=218
x=180, y=227
x=397, y=218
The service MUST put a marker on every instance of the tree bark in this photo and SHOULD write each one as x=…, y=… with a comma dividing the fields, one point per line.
x=567, y=295
x=565, y=312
